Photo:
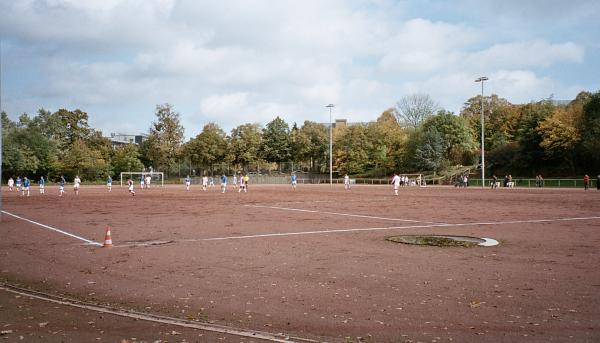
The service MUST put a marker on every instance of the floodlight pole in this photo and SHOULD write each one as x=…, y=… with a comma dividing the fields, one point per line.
x=482, y=79
x=330, y=106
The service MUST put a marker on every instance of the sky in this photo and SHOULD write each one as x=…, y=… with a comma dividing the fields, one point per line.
x=248, y=61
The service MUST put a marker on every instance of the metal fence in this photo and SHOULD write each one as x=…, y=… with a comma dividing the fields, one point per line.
x=285, y=179
x=532, y=183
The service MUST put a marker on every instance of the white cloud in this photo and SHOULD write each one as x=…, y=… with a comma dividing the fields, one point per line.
x=218, y=105
x=526, y=54
x=249, y=60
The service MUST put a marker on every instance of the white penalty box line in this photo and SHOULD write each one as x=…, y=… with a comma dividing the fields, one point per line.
x=87, y=241
x=344, y=214
x=283, y=234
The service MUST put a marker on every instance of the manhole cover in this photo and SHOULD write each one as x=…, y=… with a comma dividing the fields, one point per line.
x=443, y=240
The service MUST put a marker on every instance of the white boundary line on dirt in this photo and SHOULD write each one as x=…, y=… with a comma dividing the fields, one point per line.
x=531, y=221
x=154, y=318
x=53, y=229
x=341, y=214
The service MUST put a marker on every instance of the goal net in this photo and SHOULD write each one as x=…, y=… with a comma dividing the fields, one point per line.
x=156, y=178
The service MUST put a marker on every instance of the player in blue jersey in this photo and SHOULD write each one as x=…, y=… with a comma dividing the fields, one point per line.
x=223, y=183
x=188, y=182
x=294, y=179
x=109, y=183
x=61, y=186
x=26, y=184
x=42, y=184
x=18, y=183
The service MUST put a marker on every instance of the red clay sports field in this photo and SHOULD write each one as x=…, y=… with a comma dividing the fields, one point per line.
x=309, y=265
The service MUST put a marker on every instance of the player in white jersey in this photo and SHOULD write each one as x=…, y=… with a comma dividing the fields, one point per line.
x=242, y=184
x=346, y=182
x=11, y=184
x=235, y=181
x=76, y=184
x=130, y=186
x=204, y=183
x=148, y=180
x=396, y=183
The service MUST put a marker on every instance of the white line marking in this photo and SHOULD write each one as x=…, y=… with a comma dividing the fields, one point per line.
x=53, y=229
x=280, y=234
x=341, y=214
x=154, y=318
x=489, y=242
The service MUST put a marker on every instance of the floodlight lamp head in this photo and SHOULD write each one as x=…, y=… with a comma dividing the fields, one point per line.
x=330, y=105
x=481, y=79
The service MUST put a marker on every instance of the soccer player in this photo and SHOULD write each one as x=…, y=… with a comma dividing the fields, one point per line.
x=25, y=186
x=223, y=183
x=294, y=180
x=11, y=184
x=61, y=186
x=204, y=182
x=346, y=182
x=396, y=183
x=246, y=181
x=42, y=184
x=142, y=181
x=130, y=188
x=148, y=180
x=18, y=184
x=242, y=184
x=76, y=184
x=211, y=182
x=235, y=181
x=586, y=182
x=188, y=182
x=109, y=183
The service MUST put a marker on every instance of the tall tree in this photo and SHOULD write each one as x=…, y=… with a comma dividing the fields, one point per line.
x=165, y=139
x=245, y=142
x=413, y=109
x=126, y=158
x=590, y=132
x=560, y=136
x=208, y=147
x=501, y=119
x=529, y=138
x=458, y=142
x=351, y=149
x=430, y=151
x=312, y=145
x=276, y=144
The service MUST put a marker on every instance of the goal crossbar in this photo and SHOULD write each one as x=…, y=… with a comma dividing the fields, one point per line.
x=151, y=174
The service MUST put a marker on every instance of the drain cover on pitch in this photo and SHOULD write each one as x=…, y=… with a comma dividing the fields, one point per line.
x=443, y=240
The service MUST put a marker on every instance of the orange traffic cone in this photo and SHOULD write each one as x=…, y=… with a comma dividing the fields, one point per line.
x=107, y=239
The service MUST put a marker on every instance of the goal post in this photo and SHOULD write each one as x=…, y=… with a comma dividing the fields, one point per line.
x=136, y=176
x=414, y=179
